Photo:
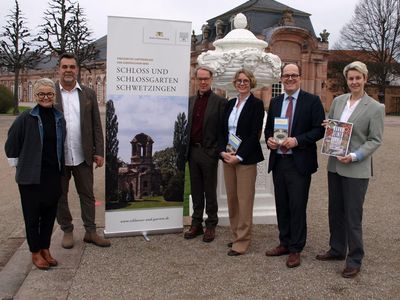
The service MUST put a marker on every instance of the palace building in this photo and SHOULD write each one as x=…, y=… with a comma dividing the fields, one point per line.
x=288, y=32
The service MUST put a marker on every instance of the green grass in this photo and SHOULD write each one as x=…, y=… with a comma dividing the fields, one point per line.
x=186, y=192
x=20, y=108
x=152, y=202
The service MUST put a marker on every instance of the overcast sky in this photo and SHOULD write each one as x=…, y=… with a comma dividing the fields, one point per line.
x=330, y=14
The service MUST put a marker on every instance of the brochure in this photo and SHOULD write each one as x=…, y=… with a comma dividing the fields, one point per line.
x=337, y=138
x=233, y=143
x=281, y=129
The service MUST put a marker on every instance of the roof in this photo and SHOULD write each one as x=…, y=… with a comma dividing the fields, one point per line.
x=262, y=15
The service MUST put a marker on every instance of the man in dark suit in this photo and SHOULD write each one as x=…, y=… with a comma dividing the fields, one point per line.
x=84, y=145
x=206, y=110
x=293, y=161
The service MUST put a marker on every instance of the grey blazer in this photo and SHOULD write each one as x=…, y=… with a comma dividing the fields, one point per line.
x=366, y=137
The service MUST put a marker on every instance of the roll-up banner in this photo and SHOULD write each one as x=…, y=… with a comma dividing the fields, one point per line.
x=148, y=68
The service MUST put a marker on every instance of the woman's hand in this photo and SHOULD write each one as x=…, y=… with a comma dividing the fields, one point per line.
x=345, y=159
x=325, y=123
x=230, y=158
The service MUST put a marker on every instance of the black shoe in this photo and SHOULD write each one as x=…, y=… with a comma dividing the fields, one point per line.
x=234, y=253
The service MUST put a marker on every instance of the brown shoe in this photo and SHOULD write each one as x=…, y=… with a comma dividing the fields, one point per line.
x=47, y=256
x=209, y=235
x=193, y=232
x=94, y=238
x=349, y=272
x=277, y=251
x=39, y=261
x=293, y=260
x=328, y=256
x=68, y=240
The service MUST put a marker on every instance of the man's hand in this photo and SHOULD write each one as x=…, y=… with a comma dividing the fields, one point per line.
x=290, y=143
x=98, y=160
x=272, y=144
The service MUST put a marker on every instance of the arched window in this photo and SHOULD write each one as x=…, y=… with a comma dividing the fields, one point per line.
x=99, y=91
x=90, y=83
x=30, y=92
x=20, y=92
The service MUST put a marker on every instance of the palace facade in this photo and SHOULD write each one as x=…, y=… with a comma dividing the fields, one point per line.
x=288, y=32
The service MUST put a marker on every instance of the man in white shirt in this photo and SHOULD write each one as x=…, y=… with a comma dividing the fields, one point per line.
x=84, y=144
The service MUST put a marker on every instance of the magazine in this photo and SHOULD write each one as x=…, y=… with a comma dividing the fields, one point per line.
x=233, y=143
x=281, y=129
x=337, y=138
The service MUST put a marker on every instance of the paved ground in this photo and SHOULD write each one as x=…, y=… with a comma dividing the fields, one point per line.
x=169, y=267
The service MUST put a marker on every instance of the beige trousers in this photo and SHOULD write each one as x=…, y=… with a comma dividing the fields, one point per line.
x=240, y=182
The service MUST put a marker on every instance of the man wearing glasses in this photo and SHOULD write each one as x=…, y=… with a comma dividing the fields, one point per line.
x=293, y=161
x=84, y=145
x=206, y=110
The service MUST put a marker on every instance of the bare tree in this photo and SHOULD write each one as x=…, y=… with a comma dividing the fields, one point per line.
x=375, y=29
x=55, y=32
x=82, y=45
x=16, y=54
x=65, y=30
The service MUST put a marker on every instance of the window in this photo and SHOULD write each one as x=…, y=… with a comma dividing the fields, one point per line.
x=277, y=89
x=30, y=92
x=99, y=91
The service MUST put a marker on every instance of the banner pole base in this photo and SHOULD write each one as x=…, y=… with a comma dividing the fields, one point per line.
x=147, y=239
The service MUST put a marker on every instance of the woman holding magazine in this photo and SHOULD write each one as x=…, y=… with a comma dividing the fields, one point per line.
x=348, y=175
x=240, y=150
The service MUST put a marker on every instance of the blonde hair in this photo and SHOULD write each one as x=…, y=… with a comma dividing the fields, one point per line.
x=249, y=74
x=43, y=82
x=357, y=66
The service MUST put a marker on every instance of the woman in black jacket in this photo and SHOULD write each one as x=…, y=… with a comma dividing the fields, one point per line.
x=35, y=146
x=240, y=150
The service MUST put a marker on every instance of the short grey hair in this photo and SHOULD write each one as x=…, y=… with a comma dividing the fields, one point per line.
x=43, y=82
x=357, y=66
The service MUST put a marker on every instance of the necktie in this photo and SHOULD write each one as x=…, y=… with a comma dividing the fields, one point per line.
x=289, y=114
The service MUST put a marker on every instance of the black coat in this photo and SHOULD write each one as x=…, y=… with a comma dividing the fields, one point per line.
x=249, y=129
x=306, y=128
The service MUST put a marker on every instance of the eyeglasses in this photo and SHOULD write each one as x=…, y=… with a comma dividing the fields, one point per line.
x=287, y=76
x=242, y=81
x=203, y=79
x=41, y=96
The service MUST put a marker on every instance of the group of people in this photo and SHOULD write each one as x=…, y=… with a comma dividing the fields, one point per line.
x=58, y=138
x=214, y=122
x=62, y=137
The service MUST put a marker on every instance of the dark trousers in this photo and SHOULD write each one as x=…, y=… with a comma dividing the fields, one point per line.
x=203, y=184
x=291, y=197
x=39, y=207
x=346, y=199
x=83, y=177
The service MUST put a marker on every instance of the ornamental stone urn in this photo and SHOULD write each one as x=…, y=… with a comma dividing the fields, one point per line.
x=240, y=49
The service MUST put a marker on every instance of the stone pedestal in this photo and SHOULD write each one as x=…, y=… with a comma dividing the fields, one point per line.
x=264, y=201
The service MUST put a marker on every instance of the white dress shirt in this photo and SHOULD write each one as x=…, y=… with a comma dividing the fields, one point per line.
x=285, y=105
x=73, y=142
x=347, y=111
